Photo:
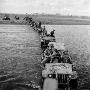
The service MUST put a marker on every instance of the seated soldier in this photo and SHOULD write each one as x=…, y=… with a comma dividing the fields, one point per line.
x=57, y=57
x=46, y=43
x=66, y=57
x=52, y=33
x=48, y=53
x=46, y=56
x=42, y=43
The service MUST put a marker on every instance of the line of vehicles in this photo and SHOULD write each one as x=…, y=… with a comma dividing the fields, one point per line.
x=6, y=17
x=58, y=64
x=55, y=59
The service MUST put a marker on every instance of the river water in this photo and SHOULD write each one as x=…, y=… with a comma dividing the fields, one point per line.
x=20, y=50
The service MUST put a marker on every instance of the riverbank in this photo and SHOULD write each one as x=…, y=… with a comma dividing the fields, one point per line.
x=47, y=19
x=61, y=20
x=12, y=22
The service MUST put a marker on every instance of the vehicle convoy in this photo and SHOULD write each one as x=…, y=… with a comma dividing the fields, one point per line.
x=6, y=18
x=16, y=17
x=45, y=41
x=60, y=66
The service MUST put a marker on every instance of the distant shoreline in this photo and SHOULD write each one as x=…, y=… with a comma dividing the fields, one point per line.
x=49, y=23
x=47, y=19
x=62, y=20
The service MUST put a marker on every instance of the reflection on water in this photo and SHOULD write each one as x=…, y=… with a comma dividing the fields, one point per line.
x=77, y=41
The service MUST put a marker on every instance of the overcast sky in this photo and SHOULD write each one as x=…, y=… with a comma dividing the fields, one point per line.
x=74, y=7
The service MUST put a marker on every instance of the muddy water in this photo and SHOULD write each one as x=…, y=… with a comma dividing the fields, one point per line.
x=77, y=40
x=20, y=52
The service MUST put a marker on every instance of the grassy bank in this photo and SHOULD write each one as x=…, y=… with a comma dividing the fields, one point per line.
x=61, y=20
x=49, y=19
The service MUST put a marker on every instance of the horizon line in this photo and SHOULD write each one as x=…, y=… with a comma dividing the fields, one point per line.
x=44, y=14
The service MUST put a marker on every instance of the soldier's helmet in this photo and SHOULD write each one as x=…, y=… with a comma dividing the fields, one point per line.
x=66, y=52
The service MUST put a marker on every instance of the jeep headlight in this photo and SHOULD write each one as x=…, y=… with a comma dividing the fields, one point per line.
x=73, y=75
x=70, y=76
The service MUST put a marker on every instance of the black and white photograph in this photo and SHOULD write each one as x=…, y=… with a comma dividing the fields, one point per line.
x=44, y=44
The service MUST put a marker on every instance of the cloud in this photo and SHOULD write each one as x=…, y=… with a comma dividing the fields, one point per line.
x=77, y=7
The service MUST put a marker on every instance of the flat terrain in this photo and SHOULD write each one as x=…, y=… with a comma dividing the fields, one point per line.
x=61, y=20
x=48, y=19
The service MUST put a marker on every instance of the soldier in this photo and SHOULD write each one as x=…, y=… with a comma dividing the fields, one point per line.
x=66, y=57
x=44, y=31
x=42, y=43
x=49, y=53
x=52, y=33
x=56, y=57
x=46, y=56
x=40, y=24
